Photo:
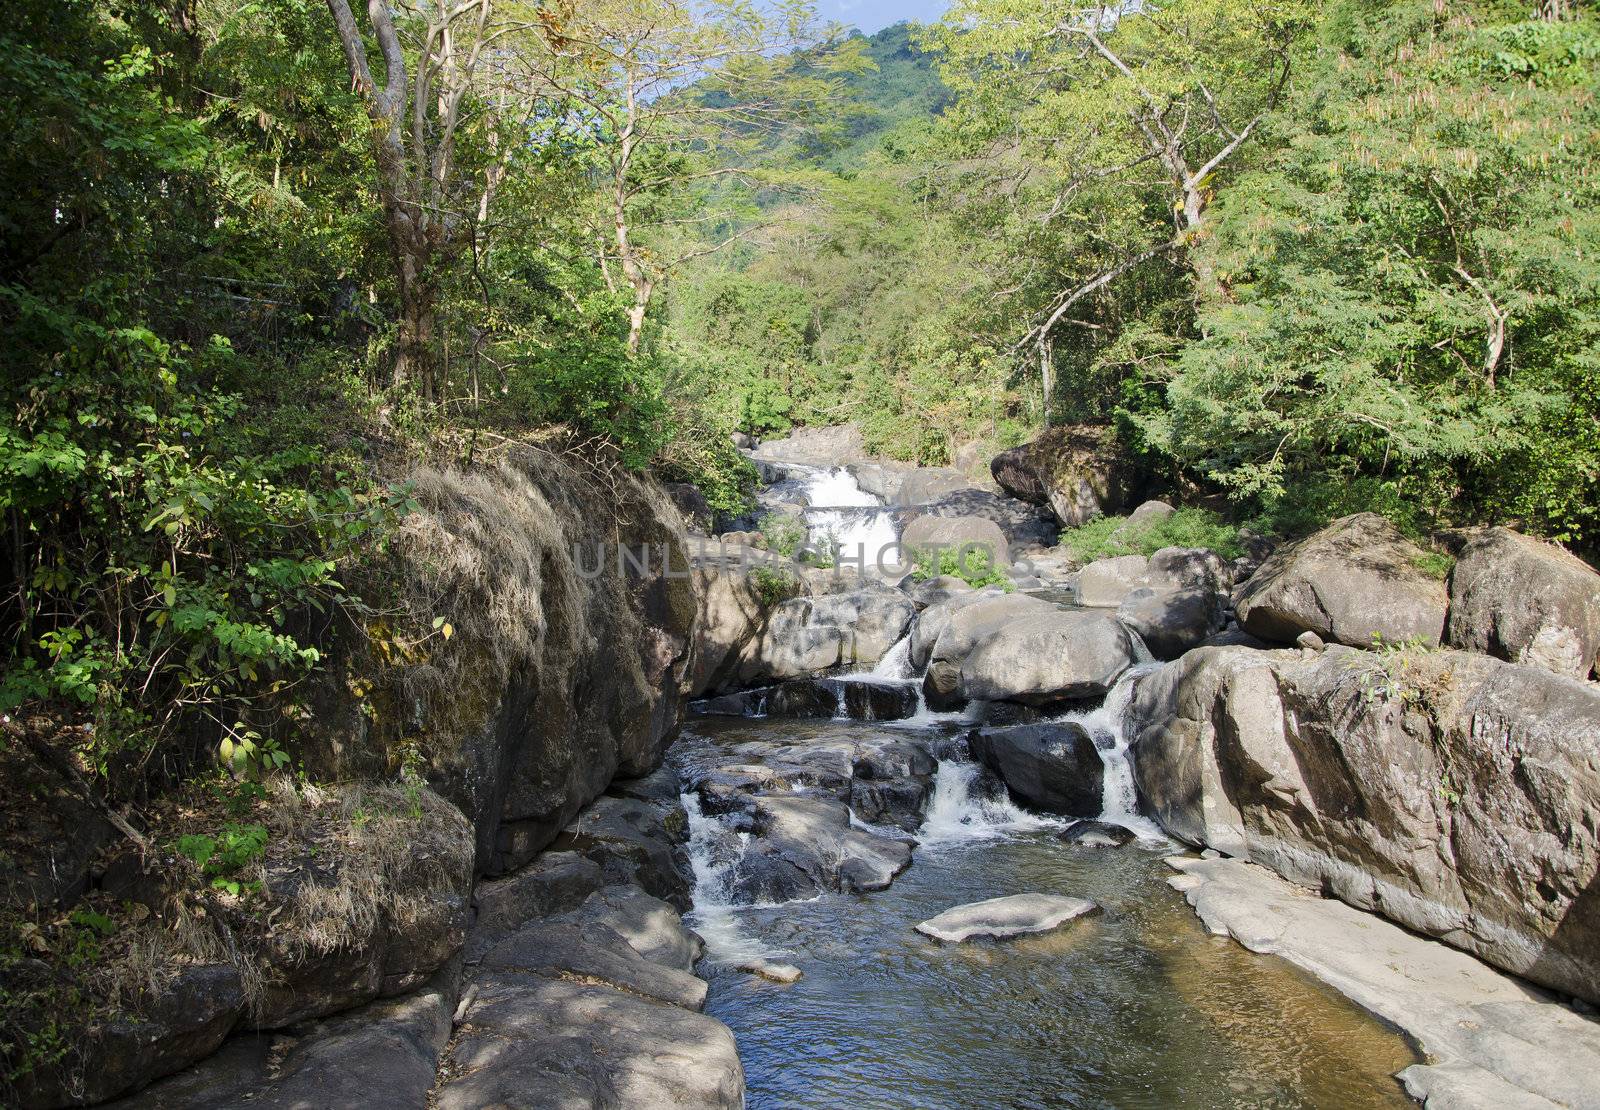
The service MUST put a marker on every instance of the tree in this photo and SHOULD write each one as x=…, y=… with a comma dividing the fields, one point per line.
x=447, y=115
x=1107, y=130
x=672, y=94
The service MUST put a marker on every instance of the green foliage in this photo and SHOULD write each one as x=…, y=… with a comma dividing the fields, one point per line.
x=974, y=565
x=1112, y=536
x=773, y=585
x=785, y=535
x=223, y=856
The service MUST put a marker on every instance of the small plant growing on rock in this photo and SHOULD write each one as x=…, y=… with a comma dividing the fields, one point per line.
x=223, y=856
x=785, y=535
x=772, y=586
x=975, y=566
x=1111, y=536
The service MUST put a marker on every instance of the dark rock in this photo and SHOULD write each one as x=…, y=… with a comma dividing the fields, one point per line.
x=692, y=504
x=1526, y=602
x=1353, y=582
x=805, y=845
x=554, y=883
x=1022, y=524
x=1078, y=470
x=810, y=636
x=1171, y=622
x=1053, y=767
x=635, y=842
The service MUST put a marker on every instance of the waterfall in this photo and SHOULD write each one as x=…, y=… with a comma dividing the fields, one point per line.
x=714, y=851
x=842, y=515
x=1108, y=724
x=896, y=665
x=955, y=815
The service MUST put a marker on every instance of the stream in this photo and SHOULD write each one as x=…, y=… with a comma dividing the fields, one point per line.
x=1134, y=1007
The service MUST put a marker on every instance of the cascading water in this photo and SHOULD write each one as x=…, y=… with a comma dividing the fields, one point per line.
x=714, y=851
x=842, y=515
x=956, y=815
x=896, y=665
x=1108, y=725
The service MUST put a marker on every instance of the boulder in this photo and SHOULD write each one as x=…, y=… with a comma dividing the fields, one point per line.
x=935, y=591
x=808, y=636
x=832, y=446
x=1078, y=470
x=636, y=842
x=1453, y=793
x=1355, y=581
x=964, y=535
x=594, y=953
x=1106, y=583
x=1151, y=512
x=927, y=485
x=961, y=627
x=1051, y=657
x=1526, y=602
x=1185, y=568
x=653, y=928
x=527, y=1041
x=1053, y=767
x=930, y=625
x=1021, y=523
x=1171, y=622
x=1013, y=916
x=734, y=607
x=804, y=845
x=1097, y=834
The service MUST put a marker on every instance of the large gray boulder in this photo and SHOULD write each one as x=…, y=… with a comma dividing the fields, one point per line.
x=933, y=620
x=1015, y=915
x=966, y=536
x=1527, y=602
x=1452, y=793
x=1355, y=581
x=735, y=605
x=963, y=628
x=808, y=636
x=1053, y=767
x=1106, y=583
x=1048, y=658
x=528, y=1041
x=804, y=845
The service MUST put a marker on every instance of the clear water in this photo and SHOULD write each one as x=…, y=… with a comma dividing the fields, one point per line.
x=1136, y=1007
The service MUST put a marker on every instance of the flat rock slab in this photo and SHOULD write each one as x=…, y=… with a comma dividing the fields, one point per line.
x=595, y=953
x=1013, y=916
x=1494, y=1041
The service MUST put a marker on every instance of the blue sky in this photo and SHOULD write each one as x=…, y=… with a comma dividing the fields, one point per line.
x=874, y=15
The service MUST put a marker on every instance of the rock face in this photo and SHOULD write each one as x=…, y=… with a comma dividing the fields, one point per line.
x=1452, y=793
x=814, y=635
x=1077, y=470
x=1052, y=657
x=570, y=657
x=734, y=607
x=1527, y=602
x=1013, y=916
x=822, y=699
x=1355, y=580
x=1053, y=767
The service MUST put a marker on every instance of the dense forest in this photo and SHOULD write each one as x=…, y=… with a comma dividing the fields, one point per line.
x=258, y=256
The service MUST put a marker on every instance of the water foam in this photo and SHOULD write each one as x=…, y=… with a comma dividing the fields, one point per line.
x=715, y=851
x=1108, y=724
x=958, y=816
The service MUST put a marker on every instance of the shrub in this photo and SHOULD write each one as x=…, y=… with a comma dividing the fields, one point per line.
x=785, y=535
x=1110, y=536
x=973, y=565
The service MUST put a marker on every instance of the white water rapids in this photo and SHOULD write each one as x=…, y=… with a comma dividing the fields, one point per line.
x=842, y=516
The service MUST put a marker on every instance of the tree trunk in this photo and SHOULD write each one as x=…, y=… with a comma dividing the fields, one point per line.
x=413, y=361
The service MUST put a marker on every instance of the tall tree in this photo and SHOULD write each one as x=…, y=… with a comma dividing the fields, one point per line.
x=445, y=118
x=673, y=94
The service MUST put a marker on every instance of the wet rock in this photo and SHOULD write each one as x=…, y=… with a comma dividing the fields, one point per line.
x=1054, y=657
x=1053, y=767
x=1013, y=916
x=784, y=974
x=1526, y=602
x=930, y=625
x=821, y=699
x=810, y=636
x=1452, y=793
x=1097, y=834
x=805, y=845
x=527, y=1042
x=1355, y=581
x=592, y=952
